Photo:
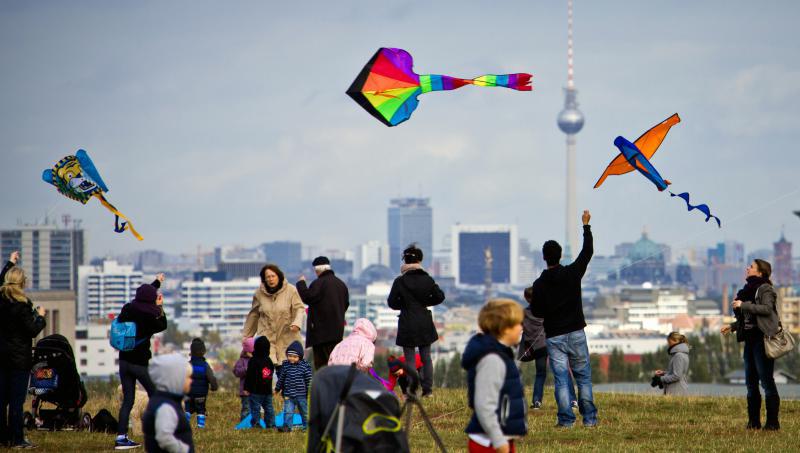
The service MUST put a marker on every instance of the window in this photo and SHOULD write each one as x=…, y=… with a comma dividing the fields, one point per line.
x=83, y=362
x=83, y=348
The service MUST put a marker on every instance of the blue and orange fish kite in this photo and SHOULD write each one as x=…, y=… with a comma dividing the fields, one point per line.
x=637, y=155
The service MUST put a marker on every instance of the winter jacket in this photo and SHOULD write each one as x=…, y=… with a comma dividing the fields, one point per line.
x=412, y=293
x=164, y=425
x=294, y=378
x=260, y=369
x=557, y=293
x=765, y=311
x=202, y=378
x=674, y=378
x=393, y=378
x=494, y=390
x=272, y=315
x=327, y=299
x=534, y=343
x=358, y=347
x=19, y=325
x=147, y=325
x=240, y=371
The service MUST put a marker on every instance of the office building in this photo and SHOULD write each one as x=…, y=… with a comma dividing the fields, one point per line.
x=471, y=246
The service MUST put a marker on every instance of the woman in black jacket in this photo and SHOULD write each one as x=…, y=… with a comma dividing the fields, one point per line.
x=19, y=324
x=147, y=312
x=412, y=293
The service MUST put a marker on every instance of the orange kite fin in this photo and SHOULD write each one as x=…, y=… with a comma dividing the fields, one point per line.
x=649, y=142
x=618, y=166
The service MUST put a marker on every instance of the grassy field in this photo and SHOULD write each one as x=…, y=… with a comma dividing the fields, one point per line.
x=627, y=423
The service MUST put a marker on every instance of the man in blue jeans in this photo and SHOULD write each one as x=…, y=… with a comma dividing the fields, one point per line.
x=556, y=297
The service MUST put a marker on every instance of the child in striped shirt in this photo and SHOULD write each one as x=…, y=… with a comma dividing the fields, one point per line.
x=294, y=380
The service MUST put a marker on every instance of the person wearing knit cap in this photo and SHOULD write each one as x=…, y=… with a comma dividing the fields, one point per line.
x=293, y=382
x=240, y=371
x=147, y=312
x=165, y=430
x=328, y=299
x=202, y=379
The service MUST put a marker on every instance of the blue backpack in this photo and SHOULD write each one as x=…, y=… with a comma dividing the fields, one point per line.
x=123, y=336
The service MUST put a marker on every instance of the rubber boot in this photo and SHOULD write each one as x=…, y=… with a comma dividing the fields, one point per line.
x=773, y=407
x=201, y=421
x=754, y=412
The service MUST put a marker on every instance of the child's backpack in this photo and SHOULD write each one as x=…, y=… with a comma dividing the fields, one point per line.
x=104, y=422
x=123, y=336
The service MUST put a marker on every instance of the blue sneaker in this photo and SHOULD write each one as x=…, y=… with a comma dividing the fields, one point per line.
x=125, y=444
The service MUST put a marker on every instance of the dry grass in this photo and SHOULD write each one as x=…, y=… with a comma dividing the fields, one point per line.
x=627, y=423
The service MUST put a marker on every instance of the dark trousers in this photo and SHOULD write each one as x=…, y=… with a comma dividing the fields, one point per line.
x=258, y=402
x=322, y=353
x=13, y=389
x=129, y=373
x=195, y=405
x=426, y=377
x=758, y=367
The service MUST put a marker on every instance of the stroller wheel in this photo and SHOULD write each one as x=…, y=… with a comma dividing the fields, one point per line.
x=27, y=420
x=85, y=423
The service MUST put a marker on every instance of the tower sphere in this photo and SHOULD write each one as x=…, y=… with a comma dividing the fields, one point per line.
x=570, y=121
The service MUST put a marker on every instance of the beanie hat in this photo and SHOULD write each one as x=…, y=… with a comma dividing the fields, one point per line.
x=146, y=293
x=320, y=261
x=197, y=348
x=296, y=349
x=248, y=344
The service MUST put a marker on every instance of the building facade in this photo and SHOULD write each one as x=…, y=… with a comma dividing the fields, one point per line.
x=782, y=271
x=94, y=356
x=469, y=254
x=288, y=255
x=221, y=306
x=49, y=255
x=368, y=254
x=410, y=221
x=104, y=289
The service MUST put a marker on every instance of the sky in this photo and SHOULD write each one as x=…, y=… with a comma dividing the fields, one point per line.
x=227, y=122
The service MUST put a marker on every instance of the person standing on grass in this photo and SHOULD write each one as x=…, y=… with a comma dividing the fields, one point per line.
x=147, y=312
x=674, y=378
x=327, y=299
x=20, y=323
x=556, y=297
x=494, y=384
x=412, y=293
x=165, y=428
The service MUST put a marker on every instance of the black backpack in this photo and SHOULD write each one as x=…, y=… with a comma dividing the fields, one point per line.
x=104, y=422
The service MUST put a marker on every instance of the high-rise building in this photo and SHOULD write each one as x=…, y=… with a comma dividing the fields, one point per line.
x=49, y=255
x=221, y=306
x=104, y=289
x=410, y=221
x=782, y=273
x=368, y=254
x=729, y=253
x=570, y=121
x=469, y=251
x=288, y=255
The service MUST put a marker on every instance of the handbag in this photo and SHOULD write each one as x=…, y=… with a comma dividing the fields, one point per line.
x=779, y=344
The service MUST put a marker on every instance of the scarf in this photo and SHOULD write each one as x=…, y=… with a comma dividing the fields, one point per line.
x=748, y=293
x=275, y=289
x=410, y=267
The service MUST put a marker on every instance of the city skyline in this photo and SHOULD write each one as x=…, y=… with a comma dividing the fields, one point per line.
x=204, y=139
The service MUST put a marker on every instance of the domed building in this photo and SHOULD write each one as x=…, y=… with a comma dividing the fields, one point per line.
x=646, y=263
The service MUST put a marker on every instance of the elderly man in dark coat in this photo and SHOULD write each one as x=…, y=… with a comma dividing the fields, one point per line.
x=327, y=299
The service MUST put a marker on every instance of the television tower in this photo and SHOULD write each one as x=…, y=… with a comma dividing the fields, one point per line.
x=570, y=121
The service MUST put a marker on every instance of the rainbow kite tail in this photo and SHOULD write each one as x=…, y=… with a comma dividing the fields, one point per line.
x=436, y=82
x=701, y=207
x=119, y=228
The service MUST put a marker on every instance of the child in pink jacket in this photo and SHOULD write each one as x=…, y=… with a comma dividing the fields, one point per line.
x=358, y=347
x=240, y=371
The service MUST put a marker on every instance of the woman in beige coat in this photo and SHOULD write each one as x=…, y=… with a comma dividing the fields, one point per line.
x=277, y=313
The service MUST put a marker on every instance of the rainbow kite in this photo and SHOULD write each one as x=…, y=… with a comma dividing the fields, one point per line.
x=637, y=155
x=387, y=87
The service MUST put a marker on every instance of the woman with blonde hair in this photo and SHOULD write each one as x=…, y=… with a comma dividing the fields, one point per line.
x=19, y=324
x=674, y=378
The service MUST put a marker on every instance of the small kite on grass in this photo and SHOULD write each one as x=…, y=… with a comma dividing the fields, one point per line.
x=637, y=155
x=387, y=86
x=76, y=177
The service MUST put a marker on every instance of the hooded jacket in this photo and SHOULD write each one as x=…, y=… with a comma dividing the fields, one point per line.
x=556, y=294
x=412, y=293
x=500, y=414
x=240, y=368
x=150, y=319
x=260, y=369
x=272, y=315
x=534, y=343
x=294, y=378
x=164, y=426
x=675, y=377
x=328, y=299
x=19, y=325
x=358, y=347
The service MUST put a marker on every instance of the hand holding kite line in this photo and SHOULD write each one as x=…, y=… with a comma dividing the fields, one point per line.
x=76, y=177
x=637, y=156
x=387, y=86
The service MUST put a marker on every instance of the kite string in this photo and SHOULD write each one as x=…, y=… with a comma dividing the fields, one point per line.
x=727, y=222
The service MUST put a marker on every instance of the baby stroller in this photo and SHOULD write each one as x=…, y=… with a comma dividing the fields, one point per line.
x=55, y=382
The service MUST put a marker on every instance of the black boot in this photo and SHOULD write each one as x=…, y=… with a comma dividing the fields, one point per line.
x=754, y=412
x=773, y=406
